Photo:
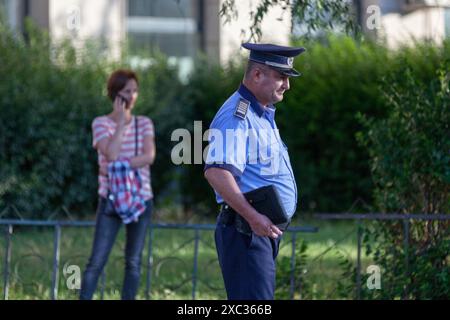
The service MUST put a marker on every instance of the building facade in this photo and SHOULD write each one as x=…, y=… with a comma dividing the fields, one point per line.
x=400, y=22
x=179, y=29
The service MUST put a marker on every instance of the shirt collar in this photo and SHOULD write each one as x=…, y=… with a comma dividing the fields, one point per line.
x=248, y=95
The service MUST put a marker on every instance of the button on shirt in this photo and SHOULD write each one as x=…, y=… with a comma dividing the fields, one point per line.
x=246, y=142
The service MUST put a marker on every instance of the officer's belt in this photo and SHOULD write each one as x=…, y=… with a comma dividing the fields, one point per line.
x=230, y=217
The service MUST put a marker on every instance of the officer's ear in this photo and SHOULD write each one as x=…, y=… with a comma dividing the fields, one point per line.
x=258, y=74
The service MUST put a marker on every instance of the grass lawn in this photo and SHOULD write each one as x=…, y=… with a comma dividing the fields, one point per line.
x=172, y=262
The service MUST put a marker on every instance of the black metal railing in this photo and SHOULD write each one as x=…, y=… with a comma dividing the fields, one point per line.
x=197, y=241
x=57, y=226
x=405, y=218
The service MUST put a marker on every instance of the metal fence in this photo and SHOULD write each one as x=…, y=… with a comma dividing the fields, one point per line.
x=57, y=226
x=11, y=224
x=406, y=220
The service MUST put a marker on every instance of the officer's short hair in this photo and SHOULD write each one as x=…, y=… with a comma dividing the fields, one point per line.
x=252, y=65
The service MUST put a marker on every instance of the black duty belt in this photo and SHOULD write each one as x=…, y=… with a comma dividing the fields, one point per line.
x=230, y=217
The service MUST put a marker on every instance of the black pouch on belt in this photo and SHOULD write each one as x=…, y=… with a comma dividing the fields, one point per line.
x=230, y=217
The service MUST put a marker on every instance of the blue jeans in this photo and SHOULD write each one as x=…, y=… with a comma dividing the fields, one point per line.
x=106, y=229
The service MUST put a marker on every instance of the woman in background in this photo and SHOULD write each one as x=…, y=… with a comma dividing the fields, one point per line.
x=117, y=136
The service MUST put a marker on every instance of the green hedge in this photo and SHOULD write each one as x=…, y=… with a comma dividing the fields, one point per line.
x=48, y=99
x=318, y=117
x=410, y=164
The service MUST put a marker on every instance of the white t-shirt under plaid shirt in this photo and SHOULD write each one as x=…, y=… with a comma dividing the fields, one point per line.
x=103, y=127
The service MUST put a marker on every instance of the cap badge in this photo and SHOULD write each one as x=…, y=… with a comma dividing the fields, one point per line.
x=290, y=62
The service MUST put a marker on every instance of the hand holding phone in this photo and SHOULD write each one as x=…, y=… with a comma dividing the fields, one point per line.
x=120, y=107
x=124, y=100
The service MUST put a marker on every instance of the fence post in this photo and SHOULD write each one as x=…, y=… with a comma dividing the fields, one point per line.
x=358, y=263
x=294, y=234
x=56, y=252
x=9, y=231
x=194, y=271
x=149, y=264
x=406, y=249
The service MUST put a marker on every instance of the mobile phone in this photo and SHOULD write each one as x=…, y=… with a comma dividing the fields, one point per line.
x=124, y=100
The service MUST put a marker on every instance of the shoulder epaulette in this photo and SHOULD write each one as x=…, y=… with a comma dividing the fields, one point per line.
x=241, y=108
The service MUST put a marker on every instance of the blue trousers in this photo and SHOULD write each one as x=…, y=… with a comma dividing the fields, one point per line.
x=247, y=263
x=106, y=229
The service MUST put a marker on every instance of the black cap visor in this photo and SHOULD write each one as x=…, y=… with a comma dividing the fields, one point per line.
x=287, y=72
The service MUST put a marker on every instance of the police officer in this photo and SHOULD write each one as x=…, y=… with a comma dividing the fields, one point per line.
x=246, y=152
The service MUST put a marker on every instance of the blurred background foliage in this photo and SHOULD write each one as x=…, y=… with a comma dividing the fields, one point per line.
x=50, y=93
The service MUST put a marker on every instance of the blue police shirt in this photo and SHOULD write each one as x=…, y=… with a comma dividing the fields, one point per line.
x=244, y=139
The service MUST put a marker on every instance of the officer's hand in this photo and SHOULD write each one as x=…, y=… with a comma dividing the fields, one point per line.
x=262, y=226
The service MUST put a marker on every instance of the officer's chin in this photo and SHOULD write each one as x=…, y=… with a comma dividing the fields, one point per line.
x=278, y=97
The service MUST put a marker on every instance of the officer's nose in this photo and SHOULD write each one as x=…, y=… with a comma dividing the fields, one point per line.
x=286, y=83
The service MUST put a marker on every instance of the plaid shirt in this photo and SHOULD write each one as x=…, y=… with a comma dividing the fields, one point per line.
x=125, y=190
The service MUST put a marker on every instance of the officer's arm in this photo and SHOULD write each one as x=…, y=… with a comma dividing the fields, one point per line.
x=224, y=183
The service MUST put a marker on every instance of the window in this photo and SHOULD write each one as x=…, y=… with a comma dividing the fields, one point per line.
x=166, y=26
x=8, y=10
x=161, y=8
x=447, y=22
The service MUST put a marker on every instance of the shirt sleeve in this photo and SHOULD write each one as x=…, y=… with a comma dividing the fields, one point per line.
x=227, y=147
x=99, y=131
x=148, y=128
